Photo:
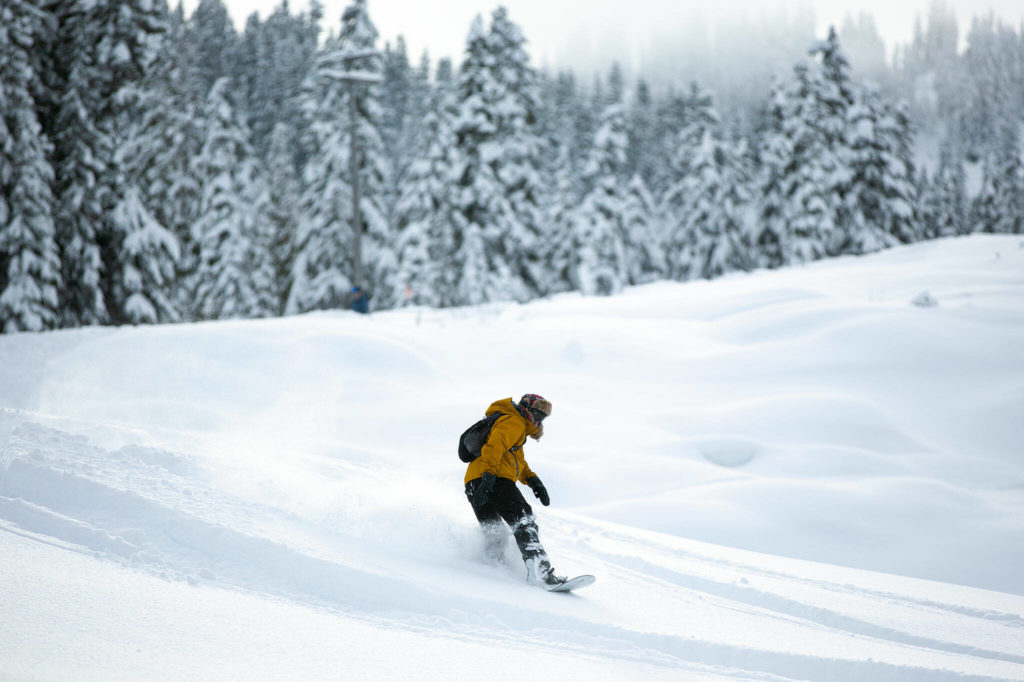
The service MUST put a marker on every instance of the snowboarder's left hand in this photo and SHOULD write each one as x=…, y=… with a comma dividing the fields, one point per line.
x=539, y=490
x=483, y=490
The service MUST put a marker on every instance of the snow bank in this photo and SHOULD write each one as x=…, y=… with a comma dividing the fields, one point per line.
x=256, y=490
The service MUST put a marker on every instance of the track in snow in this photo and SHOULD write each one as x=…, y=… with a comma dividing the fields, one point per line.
x=679, y=605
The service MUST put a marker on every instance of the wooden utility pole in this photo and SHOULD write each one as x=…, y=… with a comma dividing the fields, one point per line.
x=355, y=79
x=353, y=169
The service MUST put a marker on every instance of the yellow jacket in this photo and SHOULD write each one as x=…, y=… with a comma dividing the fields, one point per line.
x=502, y=454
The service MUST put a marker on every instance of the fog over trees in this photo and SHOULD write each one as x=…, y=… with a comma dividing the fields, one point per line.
x=159, y=167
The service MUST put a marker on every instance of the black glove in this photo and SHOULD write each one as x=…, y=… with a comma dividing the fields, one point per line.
x=539, y=490
x=483, y=490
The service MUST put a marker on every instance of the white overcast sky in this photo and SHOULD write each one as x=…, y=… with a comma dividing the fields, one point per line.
x=564, y=33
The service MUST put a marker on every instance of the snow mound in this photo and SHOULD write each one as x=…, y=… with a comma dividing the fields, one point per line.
x=924, y=300
x=728, y=451
x=282, y=498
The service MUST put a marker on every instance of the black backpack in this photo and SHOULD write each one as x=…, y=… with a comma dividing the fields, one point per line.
x=473, y=438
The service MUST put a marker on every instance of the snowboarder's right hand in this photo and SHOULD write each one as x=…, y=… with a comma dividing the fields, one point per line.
x=483, y=490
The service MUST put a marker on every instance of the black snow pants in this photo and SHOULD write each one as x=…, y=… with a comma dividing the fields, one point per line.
x=507, y=504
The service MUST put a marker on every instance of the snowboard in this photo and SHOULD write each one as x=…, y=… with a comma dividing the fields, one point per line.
x=572, y=584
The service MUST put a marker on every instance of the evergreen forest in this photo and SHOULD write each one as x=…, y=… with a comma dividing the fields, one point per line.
x=160, y=167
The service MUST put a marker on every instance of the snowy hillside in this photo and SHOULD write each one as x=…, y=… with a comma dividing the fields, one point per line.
x=811, y=473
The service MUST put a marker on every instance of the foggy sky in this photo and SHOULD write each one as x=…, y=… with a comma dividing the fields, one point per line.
x=561, y=34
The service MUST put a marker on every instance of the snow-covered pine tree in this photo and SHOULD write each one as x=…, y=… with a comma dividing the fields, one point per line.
x=245, y=74
x=776, y=154
x=645, y=154
x=395, y=94
x=644, y=234
x=698, y=116
x=423, y=212
x=831, y=96
x=673, y=112
x=405, y=99
x=549, y=119
x=234, y=277
x=995, y=89
x=806, y=161
x=1011, y=204
x=718, y=200
x=416, y=211
x=283, y=198
x=999, y=206
x=897, y=132
x=275, y=58
x=560, y=113
x=443, y=232
x=562, y=166
x=811, y=225
x=212, y=42
x=569, y=123
x=616, y=93
x=100, y=51
x=984, y=211
x=599, y=263
x=142, y=284
x=557, y=244
x=929, y=205
x=834, y=90
x=930, y=69
x=943, y=198
x=952, y=181
x=515, y=109
x=144, y=276
x=482, y=215
x=865, y=46
x=164, y=136
x=879, y=209
x=993, y=125
x=585, y=115
x=29, y=260
x=809, y=183
x=141, y=254
x=81, y=158
x=321, y=273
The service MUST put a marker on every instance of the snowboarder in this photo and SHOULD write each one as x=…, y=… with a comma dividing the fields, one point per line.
x=491, y=485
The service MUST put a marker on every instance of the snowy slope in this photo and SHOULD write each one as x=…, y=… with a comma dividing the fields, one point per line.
x=785, y=475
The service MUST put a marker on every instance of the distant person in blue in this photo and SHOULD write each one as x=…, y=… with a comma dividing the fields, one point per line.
x=360, y=301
